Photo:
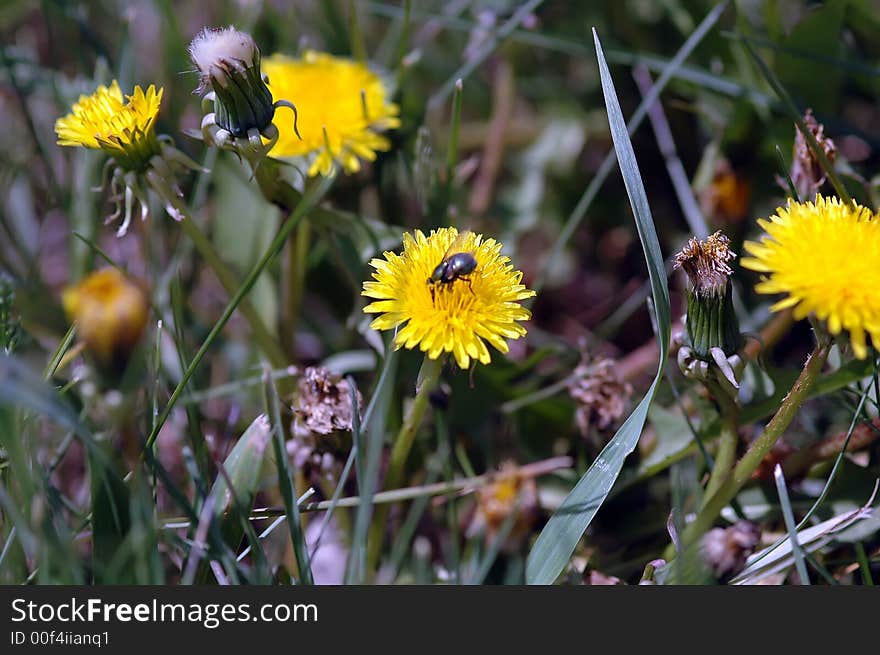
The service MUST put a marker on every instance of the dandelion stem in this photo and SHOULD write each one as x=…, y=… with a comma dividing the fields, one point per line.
x=267, y=343
x=429, y=376
x=297, y=258
x=743, y=470
x=726, y=455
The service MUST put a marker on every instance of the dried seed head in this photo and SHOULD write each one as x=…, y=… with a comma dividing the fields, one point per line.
x=600, y=394
x=597, y=578
x=712, y=324
x=323, y=403
x=705, y=263
x=725, y=550
x=806, y=173
x=219, y=52
x=229, y=65
x=322, y=419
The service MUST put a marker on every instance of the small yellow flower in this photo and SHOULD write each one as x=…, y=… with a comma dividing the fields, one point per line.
x=110, y=312
x=121, y=127
x=456, y=317
x=824, y=255
x=342, y=107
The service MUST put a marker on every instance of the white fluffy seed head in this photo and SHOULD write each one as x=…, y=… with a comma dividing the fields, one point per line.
x=215, y=51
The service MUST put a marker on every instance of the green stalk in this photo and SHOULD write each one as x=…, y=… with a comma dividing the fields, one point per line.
x=429, y=376
x=308, y=201
x=295, y=278
x=759, y=449
x=726, y=455
x=267, y=343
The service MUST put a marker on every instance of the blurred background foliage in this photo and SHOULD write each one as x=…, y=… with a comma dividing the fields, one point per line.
x=533, y=134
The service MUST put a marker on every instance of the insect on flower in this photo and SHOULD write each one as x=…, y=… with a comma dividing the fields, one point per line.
x=457, y=264
x=456, y=321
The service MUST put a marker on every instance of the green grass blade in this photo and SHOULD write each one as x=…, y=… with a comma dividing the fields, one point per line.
x=668, y=72
x=374, y=423
x=285, y=483
x=495, y=546
x=788, y=515
x=308, y=201
x=59, y=353
x=474, y=62
x=560, y=536
x=797, y=117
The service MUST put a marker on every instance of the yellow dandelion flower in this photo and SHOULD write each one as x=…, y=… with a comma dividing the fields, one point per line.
x=342, y=105
x=457, y=317
x=824, y=256
x=110, y=312
x=122, y=127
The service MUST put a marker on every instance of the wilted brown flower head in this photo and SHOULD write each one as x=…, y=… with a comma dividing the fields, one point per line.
x=510, y=491
x=322, y=415
x=600, y=394
x=323, y=402
x=597, y=578
x=806, y=173
x=725, y=550
x=705, y=263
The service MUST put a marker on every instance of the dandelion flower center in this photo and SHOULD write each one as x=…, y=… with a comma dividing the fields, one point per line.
x=823, y=255
x=456, y=317
x=121, y=126
x=342, y=106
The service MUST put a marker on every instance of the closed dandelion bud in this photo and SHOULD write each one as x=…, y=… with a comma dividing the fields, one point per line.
x=711, y=319
x=110, y=312
x=229, y=64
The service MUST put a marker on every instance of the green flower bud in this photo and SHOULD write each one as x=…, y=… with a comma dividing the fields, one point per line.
x=711, y=319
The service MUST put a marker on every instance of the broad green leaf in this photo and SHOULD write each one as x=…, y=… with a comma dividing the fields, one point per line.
x=245, y=468
x=673, y=436
x=560, y=536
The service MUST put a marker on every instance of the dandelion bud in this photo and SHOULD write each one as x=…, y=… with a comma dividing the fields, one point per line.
x=711, y=319
x=229, y=65
x=110, y=312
